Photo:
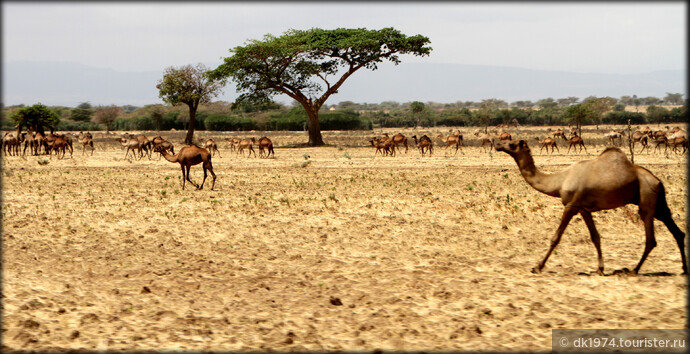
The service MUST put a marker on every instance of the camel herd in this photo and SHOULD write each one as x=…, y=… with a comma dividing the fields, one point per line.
x=671, y=138
x=38, y=144
x=606, y=182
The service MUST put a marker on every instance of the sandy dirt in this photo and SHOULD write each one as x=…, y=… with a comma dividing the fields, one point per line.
x=328, y=248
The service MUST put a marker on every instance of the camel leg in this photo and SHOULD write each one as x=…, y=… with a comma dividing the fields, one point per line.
x=663, y=214
x=210, y=169
x=184, y=176
x=596, y=238
x=650, y=241
x=583, y=146
x=203, y=166
x=190, y=181
x=568, y=214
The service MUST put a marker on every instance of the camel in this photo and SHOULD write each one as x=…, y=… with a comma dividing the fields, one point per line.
x=10, y=144
x=679, y=141
x=264, y=144
x=660, y=140
x=484, y=139
x=397, y=139
x=48, y=141
x=606, y=182
x=424, y=143
x=245, y=144
x=157, y=140
x=187, y=157
x=642, y=138
x=59, y=145
x=39, y=141
x=167, y=146
x=453, y=139
x=383, y=146
x=146, y=145
x=234, y=142
x=86, y=141
x=672, y=134
x=505, y=136
x=131, y=144
x=559, y=133
x=576, y=141
x=546, y=143
x=212, y=147
x=614, y=137
x=29, y=143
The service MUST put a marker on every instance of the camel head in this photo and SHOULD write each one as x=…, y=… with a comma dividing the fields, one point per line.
x=513, y=148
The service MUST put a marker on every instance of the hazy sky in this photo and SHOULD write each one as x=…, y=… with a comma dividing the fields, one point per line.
x=616, y=37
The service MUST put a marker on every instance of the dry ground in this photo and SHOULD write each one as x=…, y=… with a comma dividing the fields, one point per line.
x=338, y=251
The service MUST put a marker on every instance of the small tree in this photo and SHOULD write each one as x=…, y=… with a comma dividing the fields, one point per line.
x=416, y=108
x=311, y=65
x=578, y=114
x=657, y=114
x=106, y=115
x=597, y=107
x=82, y=113
x=189, y=85
x=35, y=117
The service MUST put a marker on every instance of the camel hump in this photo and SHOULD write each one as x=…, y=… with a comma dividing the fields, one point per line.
x=612, y=150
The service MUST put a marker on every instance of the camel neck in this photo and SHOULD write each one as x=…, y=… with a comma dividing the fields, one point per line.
x=549, y=184
x=171, y=158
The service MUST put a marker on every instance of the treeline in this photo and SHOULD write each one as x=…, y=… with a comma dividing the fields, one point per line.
x=347, y=115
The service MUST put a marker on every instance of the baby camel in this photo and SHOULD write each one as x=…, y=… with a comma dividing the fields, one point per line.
x=606, y=182
x=187, y=157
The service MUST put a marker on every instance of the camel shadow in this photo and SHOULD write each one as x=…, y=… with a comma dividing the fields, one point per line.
x=628, y=272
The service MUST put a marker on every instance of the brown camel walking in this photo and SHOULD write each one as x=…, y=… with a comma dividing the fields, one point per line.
x=264, y=144
x=576, y=141
x=453, y=139
x=606, y=182
x=546, y=143
x=424, y=143
x=187, y=157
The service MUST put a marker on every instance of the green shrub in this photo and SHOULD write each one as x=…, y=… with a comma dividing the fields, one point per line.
x=224, y=122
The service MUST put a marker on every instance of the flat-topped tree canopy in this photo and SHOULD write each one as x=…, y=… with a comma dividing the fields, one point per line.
x=299, y=64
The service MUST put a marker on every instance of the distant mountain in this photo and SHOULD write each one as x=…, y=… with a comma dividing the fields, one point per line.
x=68, y=84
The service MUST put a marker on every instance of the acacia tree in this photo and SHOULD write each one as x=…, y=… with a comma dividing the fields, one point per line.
x=35, y=117
x=299, y=64
x=673, y=98
x=189, y=85
x=106, y=115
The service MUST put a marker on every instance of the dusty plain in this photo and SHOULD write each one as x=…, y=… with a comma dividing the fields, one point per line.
x=320, y=249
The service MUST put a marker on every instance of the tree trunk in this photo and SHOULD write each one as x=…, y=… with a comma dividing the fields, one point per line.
x=192, y=121
x=315, y=138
